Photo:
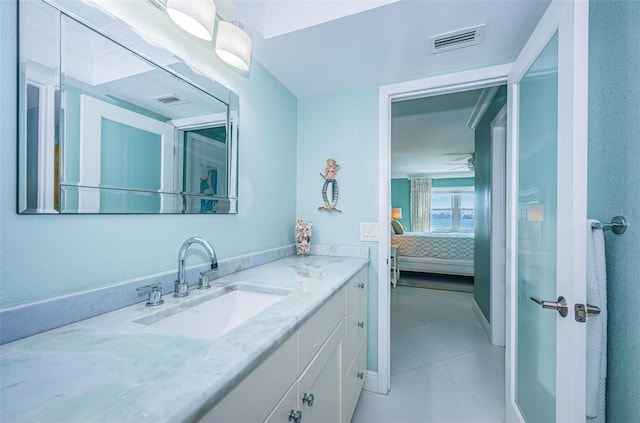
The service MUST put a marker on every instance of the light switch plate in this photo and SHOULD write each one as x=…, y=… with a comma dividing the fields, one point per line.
x=368, y=231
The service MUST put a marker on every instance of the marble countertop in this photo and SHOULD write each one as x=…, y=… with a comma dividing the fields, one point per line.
x=110, y=368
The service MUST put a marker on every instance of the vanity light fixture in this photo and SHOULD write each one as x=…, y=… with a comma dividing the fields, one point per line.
x=233, y=45
x=197, y=17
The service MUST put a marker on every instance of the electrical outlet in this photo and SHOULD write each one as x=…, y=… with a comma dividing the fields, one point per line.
x=368, y=231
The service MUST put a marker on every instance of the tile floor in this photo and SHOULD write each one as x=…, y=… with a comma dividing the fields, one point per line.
x=443, y=368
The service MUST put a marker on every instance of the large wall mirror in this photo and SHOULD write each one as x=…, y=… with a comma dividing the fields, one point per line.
x=111, y=123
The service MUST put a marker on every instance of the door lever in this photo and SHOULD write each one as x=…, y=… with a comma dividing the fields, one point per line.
x=560, y=306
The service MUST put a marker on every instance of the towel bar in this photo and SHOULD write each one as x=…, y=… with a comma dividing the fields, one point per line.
x=618, y=225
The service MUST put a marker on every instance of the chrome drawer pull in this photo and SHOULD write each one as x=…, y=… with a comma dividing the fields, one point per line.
x=308, y=398
x=295, y=416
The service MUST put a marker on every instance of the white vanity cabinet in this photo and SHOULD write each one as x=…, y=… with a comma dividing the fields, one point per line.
x=354, y=357
x=315, y=396
x=315, y=376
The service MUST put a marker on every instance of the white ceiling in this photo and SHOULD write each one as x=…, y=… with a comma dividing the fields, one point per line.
x=276, y=17
x=430, y=136
x=322, y=46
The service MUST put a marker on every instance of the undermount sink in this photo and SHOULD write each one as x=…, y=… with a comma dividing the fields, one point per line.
x=214, y=317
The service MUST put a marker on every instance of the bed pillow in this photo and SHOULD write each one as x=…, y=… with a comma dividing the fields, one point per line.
x=397, y=227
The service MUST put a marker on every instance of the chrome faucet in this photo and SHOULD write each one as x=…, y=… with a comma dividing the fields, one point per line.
x=182, y=288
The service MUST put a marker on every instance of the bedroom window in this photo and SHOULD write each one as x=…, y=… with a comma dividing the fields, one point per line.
x=452, y=211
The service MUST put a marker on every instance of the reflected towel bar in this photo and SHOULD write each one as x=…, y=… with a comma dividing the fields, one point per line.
x=618, y=225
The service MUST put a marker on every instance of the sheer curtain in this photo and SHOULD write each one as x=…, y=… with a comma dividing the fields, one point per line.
x=420, y=204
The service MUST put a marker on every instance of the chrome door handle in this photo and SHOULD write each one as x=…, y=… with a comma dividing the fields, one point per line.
x=560, y=306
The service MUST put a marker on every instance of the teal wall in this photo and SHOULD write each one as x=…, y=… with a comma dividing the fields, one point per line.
x=453, y=182
x=49, y=255
x=614, y=187
x=352, y=141
x=401, y=198
x=482, y=250
x=401, y=193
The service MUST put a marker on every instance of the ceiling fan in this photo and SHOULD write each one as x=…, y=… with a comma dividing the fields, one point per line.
x=470, y=164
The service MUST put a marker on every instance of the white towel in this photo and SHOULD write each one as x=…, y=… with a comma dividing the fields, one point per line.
x=596, y=326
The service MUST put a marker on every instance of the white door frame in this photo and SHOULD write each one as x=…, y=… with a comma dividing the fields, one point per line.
x=442, y=84
x=498, y=232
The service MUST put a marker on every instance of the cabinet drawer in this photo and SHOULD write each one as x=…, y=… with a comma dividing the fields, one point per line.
x=249, y=401
x=322, y=379
x=321, y=382
x=282, y=411
x=356, y=321
x=317, y=329
x=353, y=381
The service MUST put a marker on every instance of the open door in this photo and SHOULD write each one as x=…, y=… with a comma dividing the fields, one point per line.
x=547, y=221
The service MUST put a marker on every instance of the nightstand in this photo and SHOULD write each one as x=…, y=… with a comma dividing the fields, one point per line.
x=393, y=264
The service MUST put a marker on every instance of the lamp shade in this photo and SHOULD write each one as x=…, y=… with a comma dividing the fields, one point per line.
x=233, y=45
x=197, y=17
x=535, y=213
x=396, y=213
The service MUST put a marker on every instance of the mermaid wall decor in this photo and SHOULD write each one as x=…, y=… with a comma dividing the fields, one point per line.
x=330, y=187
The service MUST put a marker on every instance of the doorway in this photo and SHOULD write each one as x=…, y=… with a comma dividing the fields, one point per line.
x=445, y=84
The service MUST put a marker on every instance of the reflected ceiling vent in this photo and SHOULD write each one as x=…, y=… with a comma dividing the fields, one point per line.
x=456, y=39
x=169, y=99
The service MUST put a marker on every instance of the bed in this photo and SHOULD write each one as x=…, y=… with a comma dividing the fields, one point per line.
x=433, y=252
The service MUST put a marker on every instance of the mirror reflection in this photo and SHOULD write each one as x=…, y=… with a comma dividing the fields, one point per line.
x=106, y=130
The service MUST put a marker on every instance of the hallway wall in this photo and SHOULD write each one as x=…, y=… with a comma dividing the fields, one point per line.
x=614, y=187
x=343, y=126
x=482, y=253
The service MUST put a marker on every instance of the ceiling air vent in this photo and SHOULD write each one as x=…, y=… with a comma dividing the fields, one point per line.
x=169, y=99
x=456, y=39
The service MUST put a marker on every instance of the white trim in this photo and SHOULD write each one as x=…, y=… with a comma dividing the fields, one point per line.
x=453, y=189
x=371, y=381
x=45, y=80
x=384, y=244
x=46, y=148
x=486, y=327
x=199, y=121
x=512, y=411
x=486, y=96
x=498, y=240
x=441, y=84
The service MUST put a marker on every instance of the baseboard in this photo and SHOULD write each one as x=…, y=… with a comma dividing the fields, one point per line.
x=371, y=382
x=483, y=320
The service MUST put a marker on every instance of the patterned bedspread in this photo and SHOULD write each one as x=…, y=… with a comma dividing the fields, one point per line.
x=439, y=245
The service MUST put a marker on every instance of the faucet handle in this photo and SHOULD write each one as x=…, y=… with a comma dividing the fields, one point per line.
x=155, y=294
x=180, y=289
x=203, y=281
